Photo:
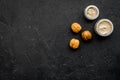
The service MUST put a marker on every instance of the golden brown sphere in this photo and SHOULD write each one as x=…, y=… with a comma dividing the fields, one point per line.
x=74, y=43
x=76, y=27
x=86, y=35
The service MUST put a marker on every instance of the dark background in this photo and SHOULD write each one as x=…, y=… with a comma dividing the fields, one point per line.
x=34, y=38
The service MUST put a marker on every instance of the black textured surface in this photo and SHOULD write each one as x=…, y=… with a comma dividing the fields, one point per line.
x=34, y=37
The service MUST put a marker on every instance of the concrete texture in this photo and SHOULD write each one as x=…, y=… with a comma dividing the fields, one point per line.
x=34, y=37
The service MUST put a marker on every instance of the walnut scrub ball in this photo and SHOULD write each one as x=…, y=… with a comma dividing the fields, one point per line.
x=74, y=43
x=86, y=35
x=76, y=27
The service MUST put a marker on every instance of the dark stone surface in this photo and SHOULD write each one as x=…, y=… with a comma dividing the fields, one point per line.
x=34, y=37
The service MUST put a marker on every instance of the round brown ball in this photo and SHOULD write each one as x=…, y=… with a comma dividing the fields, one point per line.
x=86, y=35
x=76, y=27
x=74, y=43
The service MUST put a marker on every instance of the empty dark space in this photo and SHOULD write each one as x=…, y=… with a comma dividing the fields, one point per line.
x=34, y=38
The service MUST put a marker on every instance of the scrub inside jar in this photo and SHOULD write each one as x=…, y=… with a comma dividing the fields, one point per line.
x=104, y=28
x=92, y=12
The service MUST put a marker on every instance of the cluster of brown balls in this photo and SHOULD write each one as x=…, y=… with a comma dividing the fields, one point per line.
x=86, y=35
